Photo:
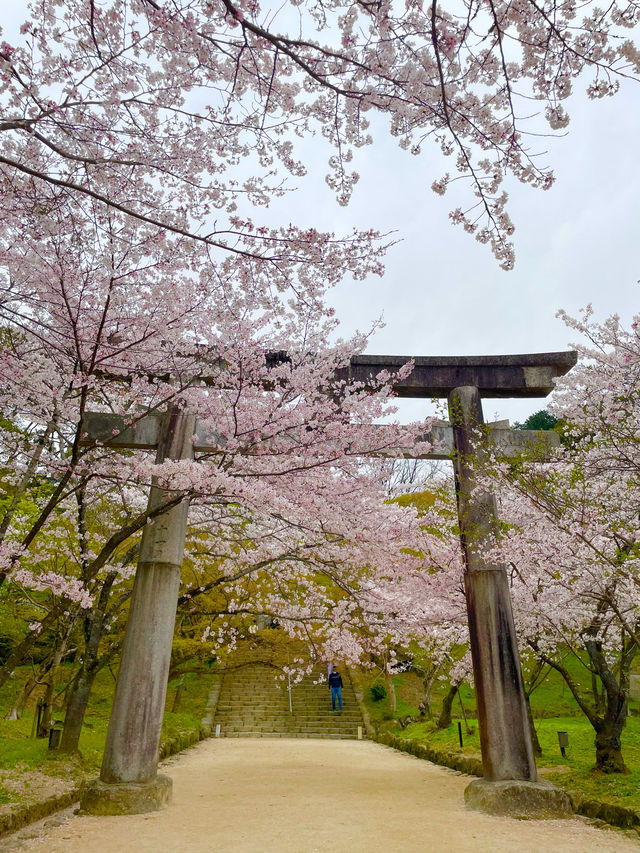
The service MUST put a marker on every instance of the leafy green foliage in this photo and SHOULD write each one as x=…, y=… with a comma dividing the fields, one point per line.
x=538, y=420
x=554, y=709
x=377, y=691
x=19, y=749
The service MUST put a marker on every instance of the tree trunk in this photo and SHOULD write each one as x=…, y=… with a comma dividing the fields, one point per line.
x=598, y=696
x=608, y=747
x=444, y=720
x=76, y=708
x=52, y=674
x=49, y=692
x=178, y=696
x=391, y=692
x=81, y=688
x=609, y=725
x=428, y=677
x=47, y=700
x=537, y=749
x=20, y=704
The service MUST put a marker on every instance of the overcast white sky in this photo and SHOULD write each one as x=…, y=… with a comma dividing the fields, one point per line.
x=443, y=293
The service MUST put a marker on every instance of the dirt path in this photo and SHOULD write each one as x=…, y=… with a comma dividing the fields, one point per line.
x=303, y=796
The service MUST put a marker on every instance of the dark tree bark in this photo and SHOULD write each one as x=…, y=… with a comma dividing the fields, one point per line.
x=94, y=626
x=608, y=747
x=76, y=709
x=598, y=695
x=609, y=723
x=444, y=720
x=537, y=749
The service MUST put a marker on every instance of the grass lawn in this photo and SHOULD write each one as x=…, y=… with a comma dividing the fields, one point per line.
x=24, y=755
x=28, y=761
x=554, y=710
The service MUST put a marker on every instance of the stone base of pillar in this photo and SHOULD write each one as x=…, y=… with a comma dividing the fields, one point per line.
x=518, y=799
x=102, y=798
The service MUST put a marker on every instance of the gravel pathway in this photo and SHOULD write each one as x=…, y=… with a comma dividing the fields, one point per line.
x=311, y=796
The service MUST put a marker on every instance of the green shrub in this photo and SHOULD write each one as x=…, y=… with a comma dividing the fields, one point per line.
x=6, y=647
x=377, y=691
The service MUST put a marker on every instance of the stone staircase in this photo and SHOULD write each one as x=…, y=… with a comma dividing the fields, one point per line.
x=253, y=702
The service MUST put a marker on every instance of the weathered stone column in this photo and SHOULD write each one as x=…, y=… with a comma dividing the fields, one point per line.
x=129, y=782
x=505, y=740
x=502, y=716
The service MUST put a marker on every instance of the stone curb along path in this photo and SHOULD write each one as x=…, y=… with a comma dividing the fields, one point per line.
x=599, y=810
x=22, y=814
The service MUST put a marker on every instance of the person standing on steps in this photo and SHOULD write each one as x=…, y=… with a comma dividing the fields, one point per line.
x=335, y=685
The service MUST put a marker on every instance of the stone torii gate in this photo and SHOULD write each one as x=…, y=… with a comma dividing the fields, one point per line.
x=129, y=782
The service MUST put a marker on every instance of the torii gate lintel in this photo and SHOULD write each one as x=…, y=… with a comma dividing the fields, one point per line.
x=495, y=376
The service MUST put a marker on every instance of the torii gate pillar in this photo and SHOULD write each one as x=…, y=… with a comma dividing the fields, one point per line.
x=502, y=717
x=129, y=782
x=510, y=784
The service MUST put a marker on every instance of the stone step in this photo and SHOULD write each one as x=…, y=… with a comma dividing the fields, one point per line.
x=239, y=724
x=325, y=713
x=254, y=703
x=240, y=719
x=318, y=729
x=296, y=707
x=315, y=736
x=305, y=724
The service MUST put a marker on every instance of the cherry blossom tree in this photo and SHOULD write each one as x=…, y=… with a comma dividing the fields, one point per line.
x=348, y=596
x=574, y=530
x=93, y=321
x=335, y=593
x=180, y=115
x=136, y=140
x=282, y=498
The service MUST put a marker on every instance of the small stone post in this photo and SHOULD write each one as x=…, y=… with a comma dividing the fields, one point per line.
x=510, y=780
x=129, y=782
